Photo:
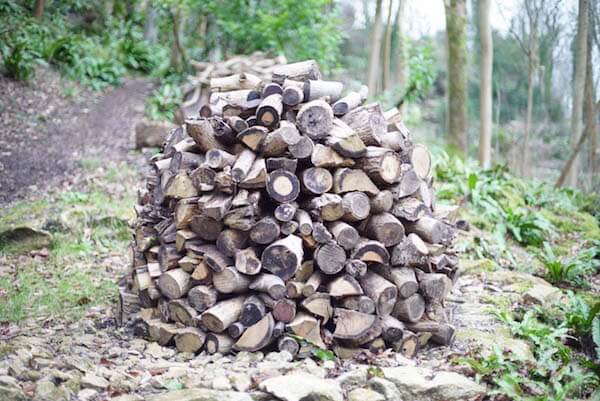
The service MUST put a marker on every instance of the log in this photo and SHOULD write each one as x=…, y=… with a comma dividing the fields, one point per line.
x=410, y=209
x=269, y=284
x=305, y=224
x=412, y=251
x=289, y=227
x=410, y=309
x=180, y=311
x=230, y=281
x=202, y=297
x=218, y=158
x=235, y=82
x=368, y=122
x=409, y=183
x=328, y=207
x=284, y=310
x=319, y=304
x=285, y=212
x=236, y=123
x=168, y=257
x=288, y=344
x=272, y=88
x=283, y=257
x=371, y=251
x=306, y=269
x=316, y=180
x=180, y=186
x=393, y=329
x=182, y=237
x=303, y=148
x=403, y=278
x=351, y=101
x=408, y=346
x=276, y=163
x=345, y=141
x=242, y=218
x=321, y=234
x=330, y=258
x=382, y=202
x=189, y=339
x=236, y=330
x=202, y=133
x=318, y=89
x=326, y=157
x=218, y=343
x=256, y=336
x=217, y=260
x=230, y=241
x=381, y=291
x=203, y=178
x=433, y=286
x=315, y=119
x=356, y=206
x=441, y=333
x=253, y=310
x=293, y=289
x=269, y=111
x=184, y=211
x=385, y=228
x=359, y=303
x=355, y=267
x=354, y=327
x=300, y=71
x=382, y=165
x=312, y=284
x=344, y=286
x=247, y=261
x=223, y=314
x=420, y=159
x=350, y=180
x=223, y=132
x=345, y=235
x=174, y=283
x=265, y=231
x=283, y=186
x=242, y=165
x=431, y=230
x=206, y=227
x=292, y=96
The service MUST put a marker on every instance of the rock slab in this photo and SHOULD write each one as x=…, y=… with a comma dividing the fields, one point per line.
x=302, y=387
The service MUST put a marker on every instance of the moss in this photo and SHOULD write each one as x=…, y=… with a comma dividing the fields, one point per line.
x=499, y=337
x=22, y=212
x=573, y=221
x=476, y=266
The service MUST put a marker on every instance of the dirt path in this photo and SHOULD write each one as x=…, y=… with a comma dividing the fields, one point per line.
x=46, y=135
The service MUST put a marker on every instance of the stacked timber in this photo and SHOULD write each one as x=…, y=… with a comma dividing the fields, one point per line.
x=253, y=68
x=290, y=215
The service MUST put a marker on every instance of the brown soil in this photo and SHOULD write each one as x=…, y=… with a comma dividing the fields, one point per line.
x=45, y=134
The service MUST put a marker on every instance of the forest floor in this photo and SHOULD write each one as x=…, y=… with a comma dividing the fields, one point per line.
x=71, y=178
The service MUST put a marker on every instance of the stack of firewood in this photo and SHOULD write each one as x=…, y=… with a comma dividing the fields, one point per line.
x=289, y=215
x=197, y=88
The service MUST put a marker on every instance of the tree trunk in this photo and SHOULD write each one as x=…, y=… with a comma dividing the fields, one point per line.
x=456, y=19
x=374, y=56
x=400, y=59
x=588, y=108
x=578, y=86
x=485, y=82
x=150, y=27
x=531, y=66
x=387, y=49
x=38, y=9
x=178, y=55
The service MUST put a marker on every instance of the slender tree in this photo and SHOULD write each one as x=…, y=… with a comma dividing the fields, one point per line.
x=485, y=84
x=589, y=97
x=400, y=57
x=387, y=49
x=38, y=9
x=578, y=86
x=374, y=56
x=456, y=19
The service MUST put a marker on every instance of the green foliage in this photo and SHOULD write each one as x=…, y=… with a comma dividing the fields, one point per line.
x=573, y=270
x=300, y=29
x=20, y=62
x=527, y=227
x=323, y=354
x=165, y=100
x=422, y=74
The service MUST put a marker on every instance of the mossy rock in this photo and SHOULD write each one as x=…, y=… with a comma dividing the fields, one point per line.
x=500, y=337
x=476, y=266
x=21, y=239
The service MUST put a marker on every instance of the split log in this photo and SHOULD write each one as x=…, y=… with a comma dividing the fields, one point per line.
x=202, y=297
x=223, y=314
x=345, y=141
x=217, y=260
x=312, y=284
x=236, y=123
x=256, y=336
x=203, y=178
x=189, y=339
x=381, y=291
x=242, y=218
x=371, y=251
x=276, y=163
x=270, y=284
x=308, y=328
x=222, y=131
x=202, y=133
x=382, y=202
x=315, y=119
x=300, y=71
x=326, y=156
x=242, y=165
x=283, y=257
x=385, y=228
x=330, y=257
x=174, y=283
x=349, y=180
x=321, y=234
x=253, y=137
x=293, y=289
x=410, y=209
x=218, y=343
x=247, y=261
x=316, y=180
x=355, y=267
x=230, y=281
x=202, y=274
x=410, y=309
x=206, y=227
x=368, y=122
x=180, y=311
x=168, y=257
x=344, y=286
x=381, y=164
x=230, y=241
x=319, y=304
x=412, y=252
x=253, y=310
x=283, y=186
x=408, y=346
x=350, y=101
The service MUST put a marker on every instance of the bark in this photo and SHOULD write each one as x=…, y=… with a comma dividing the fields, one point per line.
x=456, y=21
x=485, y=83
x=400, y=59
x=588, y=107
x=38, y=9
x=374, y=56
x=578, y=87
x=387, y=50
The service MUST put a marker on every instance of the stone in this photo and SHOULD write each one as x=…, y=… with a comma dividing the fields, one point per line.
x=44, y=390
x=468, y=266
x=151, y=133
x=542, y=294
x=420, y=384
x=8, y=381
x=200, y=394
x=301, y=386
x=364, y=394
x=11, y=393
x=87, y=394
x=92, y=381
x=282, y=356
x=240, y=381
x=155, y=350
x=24, y=238
x=128, y=397
x=501, y=337
x=354, y=377
x=221, y=382
x=384, y=387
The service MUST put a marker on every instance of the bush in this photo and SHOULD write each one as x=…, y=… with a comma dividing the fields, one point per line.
x=20, y=62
